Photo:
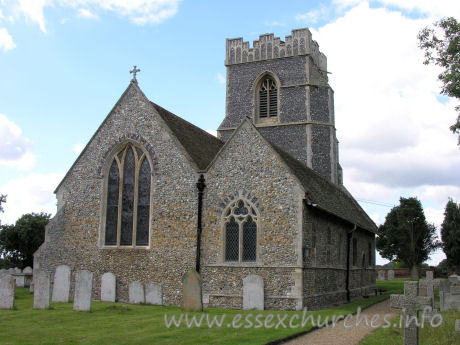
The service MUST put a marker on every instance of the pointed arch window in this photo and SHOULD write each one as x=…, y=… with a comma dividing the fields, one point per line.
x=128, y=199
x=240, y=226
x=267, y=93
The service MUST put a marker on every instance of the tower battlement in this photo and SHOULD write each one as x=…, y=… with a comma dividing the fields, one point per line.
x=269, y=47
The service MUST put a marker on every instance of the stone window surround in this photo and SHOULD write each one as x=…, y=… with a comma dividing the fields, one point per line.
x=106, y=168
x=240, y=262
x=274, y=120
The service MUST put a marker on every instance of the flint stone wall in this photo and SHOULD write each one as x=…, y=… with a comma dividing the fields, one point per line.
x=73, y=235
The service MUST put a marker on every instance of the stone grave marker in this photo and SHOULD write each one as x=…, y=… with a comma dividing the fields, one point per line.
x=426, y=287
x=11, y=270
x=391, y=275
x=457, y=326
x=381, y=275
x=108, y=287
x=42, y=286
x=412, y=304
x=136, y=292
x=7, y=287
x=17, y=270
x=192, y=292
x=450, y=300
x=28, y=270
x=61, y=286
x=153, y=293
x=253, y=292
x=83, y=290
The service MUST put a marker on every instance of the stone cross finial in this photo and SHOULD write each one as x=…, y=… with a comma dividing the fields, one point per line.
x=412, y=303
x=134, y=71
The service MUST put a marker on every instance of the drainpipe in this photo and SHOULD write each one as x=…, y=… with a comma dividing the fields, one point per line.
x=200, y=186
x=347, y=279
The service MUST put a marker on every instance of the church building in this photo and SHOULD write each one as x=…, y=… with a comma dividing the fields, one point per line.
x=152, y=197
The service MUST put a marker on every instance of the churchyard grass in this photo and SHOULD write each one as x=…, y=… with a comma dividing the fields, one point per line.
x=119, y=323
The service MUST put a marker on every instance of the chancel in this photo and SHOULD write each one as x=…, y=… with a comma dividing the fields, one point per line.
x=259, y=213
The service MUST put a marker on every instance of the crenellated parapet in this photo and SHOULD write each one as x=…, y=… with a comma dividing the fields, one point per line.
x=269, y=47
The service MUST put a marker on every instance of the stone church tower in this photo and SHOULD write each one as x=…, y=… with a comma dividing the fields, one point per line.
x=283, y=87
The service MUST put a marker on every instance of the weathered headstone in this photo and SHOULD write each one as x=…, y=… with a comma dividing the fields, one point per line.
x=381, y=275
x=17, y=270
x=192, y=292
x=19, y=279
x=42, y=290
x=153, y=293
x=61, y=286
x=253, y=292
x=391, y=275
x=108, y=287
x=429, y=275
x=136, y=292
x=412, y=304
x=11, y=270
x=3, y=271
x=83, y=290
x=454, y=279
x=426, y=287
x=457, y=326
x=450, y=300
x=7, y=287
x=28, y=270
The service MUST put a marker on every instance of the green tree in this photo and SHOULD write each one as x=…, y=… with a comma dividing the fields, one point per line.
x=2, y=201
x=406, y=235
x=450, y=234
x=18, y=242
x=444, y=51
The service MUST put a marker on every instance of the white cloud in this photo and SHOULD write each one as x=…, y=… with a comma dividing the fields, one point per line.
x=220, y=78
x=33, y=11
x=6, y=41
x=77, y=148
x=312, y=17
x=31, y=193
x=15, y=148
x=85, y=13
x=212, y=132
x=274, y=23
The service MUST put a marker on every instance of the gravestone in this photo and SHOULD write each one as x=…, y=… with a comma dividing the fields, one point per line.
x=453, y=279
x=136, y=292
x=457, y=326
x=426, y=287
x=7, y=287
x=108, y=287
x=253, y=292
x=61, y=286
x=381, y=275
x=391, y=275
x=412, y=304
x=42, y=290
x=192, y=292
x=17, y=270
x=3, y=271
x=20, y=279
x=83, y=290
x=11, y=270
x=450, y=300
x=153, y=293
x=28, y=270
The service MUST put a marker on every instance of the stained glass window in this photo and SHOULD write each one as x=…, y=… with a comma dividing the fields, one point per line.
x=128, y=199
x=240, y=232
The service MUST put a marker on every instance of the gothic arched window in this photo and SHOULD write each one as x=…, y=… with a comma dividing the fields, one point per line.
x=267, y=97
x=128, y=198
x=240, y=226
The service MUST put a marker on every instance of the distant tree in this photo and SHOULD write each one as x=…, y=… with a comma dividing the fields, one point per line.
x=406, y=235
x=2, y=201
x=450, y=235
x=444, y=51
x=19, y=242
x=441, y=270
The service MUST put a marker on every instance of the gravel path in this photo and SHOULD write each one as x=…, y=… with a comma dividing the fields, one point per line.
x=340, y=335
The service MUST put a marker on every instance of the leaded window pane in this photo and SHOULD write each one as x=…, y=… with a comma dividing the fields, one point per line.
x=143, y=205
x=268, y=98
x=126, y=232
x=232, y=240
x=113, y=186
x=249, y=240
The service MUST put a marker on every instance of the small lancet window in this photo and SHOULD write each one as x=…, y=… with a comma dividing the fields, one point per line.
x=128, y=199
x=240, y=226
x=268, y=98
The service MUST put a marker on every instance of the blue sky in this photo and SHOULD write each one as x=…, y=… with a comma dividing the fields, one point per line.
x=64, y=64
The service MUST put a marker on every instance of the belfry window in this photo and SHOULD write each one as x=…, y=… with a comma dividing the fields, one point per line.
x=240, y=226
x=267, y=98
x=128, y=199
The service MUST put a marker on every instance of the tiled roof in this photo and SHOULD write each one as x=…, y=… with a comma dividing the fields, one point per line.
x=199, y=144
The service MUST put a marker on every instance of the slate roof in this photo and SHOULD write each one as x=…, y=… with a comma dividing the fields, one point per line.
x=199, y=144
x=327, y=195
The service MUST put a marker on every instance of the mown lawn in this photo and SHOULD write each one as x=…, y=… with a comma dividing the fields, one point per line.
x=118, y=323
